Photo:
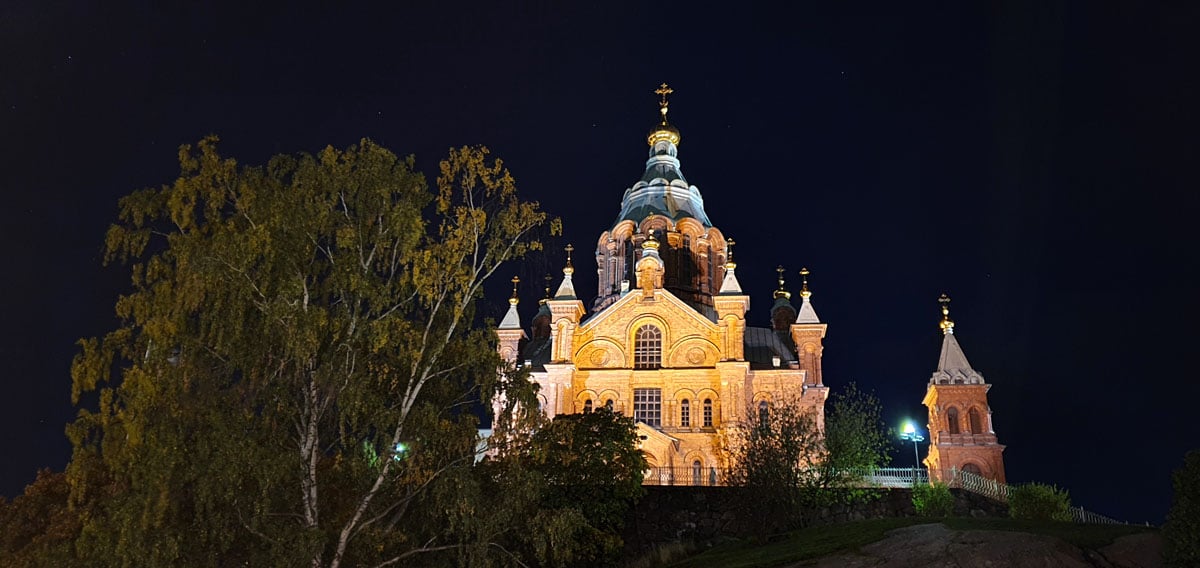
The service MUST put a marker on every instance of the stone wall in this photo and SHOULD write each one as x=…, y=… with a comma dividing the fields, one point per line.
x=699, y=514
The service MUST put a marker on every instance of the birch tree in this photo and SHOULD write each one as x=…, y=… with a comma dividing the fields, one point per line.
x=295, y=364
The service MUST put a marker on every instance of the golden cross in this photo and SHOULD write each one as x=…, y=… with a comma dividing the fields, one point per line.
x=569, y=248
x=729, y=250
x=804, y=279
x=779, y=269
x=663, y=90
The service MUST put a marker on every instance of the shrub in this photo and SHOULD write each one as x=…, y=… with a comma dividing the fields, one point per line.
x=933, y=500
x=1181, y=533
x=1035, y=501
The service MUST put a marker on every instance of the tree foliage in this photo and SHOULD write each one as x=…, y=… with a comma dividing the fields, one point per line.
x=1039, y=502
x=38, y=528
x=288, y=382
x=932, y=499
x=1181, y=532
x=591, y=464
x=789, y=465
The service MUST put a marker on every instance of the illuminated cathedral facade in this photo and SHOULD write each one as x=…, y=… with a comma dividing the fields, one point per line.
x=666, y=339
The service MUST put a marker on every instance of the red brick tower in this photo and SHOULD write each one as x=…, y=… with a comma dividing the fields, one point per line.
x=960, y=420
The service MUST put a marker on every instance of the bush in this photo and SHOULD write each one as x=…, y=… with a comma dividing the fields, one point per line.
x=933, y=500
x=1034, y=501
x=1181, y=533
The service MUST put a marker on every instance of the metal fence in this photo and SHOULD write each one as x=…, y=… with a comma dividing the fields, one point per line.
x=890, y=477
x=977, y=484
x=998, y=491
x=695, y=476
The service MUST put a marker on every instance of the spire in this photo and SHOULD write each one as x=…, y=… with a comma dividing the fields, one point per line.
x=947, y=324
x=566, y=290
x=730, y=285
x=548, y=279
x=664, y=131
x=662, y=189
x=952, y=358
x=512, y=320
x=781, y=292
x=807, y=313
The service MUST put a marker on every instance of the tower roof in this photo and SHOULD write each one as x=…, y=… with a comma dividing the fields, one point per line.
x=512, y=320
x=663, y=190
x=953, y=366
x=566, y=290
x=952, y=357
x=807, y=313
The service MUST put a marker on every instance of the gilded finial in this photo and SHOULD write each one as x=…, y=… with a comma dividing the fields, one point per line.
x=650, y=242
x=514, y=300
x=947, y=324
x=663, y=131
x=804, y=291
x=569, y=269
x=663, y=90
x=781, y=292
x=548, y=280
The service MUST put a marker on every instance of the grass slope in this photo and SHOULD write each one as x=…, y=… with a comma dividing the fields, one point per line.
x=817, y=542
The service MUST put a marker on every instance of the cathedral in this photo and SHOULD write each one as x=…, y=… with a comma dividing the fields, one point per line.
x=666, y=339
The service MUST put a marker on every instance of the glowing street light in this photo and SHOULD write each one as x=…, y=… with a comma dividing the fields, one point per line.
x=910, y=434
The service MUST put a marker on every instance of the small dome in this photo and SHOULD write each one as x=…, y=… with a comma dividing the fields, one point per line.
x=663, y=132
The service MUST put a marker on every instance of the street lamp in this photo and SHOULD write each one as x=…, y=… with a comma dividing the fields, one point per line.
x=910, y=434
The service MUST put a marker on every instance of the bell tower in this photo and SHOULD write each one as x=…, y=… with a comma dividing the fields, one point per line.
x=960, y=421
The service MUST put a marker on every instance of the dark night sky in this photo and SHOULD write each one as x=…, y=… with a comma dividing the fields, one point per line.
x=1036, y=162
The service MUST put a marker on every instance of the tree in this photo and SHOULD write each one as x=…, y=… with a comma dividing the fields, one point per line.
x=1181, y=532
x=38, y=528
x=289, y=379
x=788, y=465
x=591, y=464
x=856, y=439
x=1039, y=502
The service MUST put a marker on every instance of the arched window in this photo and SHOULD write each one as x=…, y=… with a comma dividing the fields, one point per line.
x=647, y=348
x=587, y=405
x=952, y=419
x=685, y=413
x=971, y=468
x=976, y=422
x=764, y=414
x=697, y=473
x=708, y=413
x=608, y=404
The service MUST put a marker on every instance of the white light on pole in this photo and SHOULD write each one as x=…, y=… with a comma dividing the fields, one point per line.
x=910, y=433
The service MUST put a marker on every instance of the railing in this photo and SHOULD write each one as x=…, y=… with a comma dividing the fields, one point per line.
x=710, y=476
x=978, y=484
x=704, y=476
x=1079, y=515
x=896, y=477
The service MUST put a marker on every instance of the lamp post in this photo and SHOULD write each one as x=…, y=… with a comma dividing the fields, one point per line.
x=910, y=434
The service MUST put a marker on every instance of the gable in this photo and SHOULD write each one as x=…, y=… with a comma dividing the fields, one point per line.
x=689, y=339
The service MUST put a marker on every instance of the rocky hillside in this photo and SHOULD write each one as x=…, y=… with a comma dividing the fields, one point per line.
x=935, y=545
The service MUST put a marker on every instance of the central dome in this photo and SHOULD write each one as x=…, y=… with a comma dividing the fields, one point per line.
x=663, y=190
